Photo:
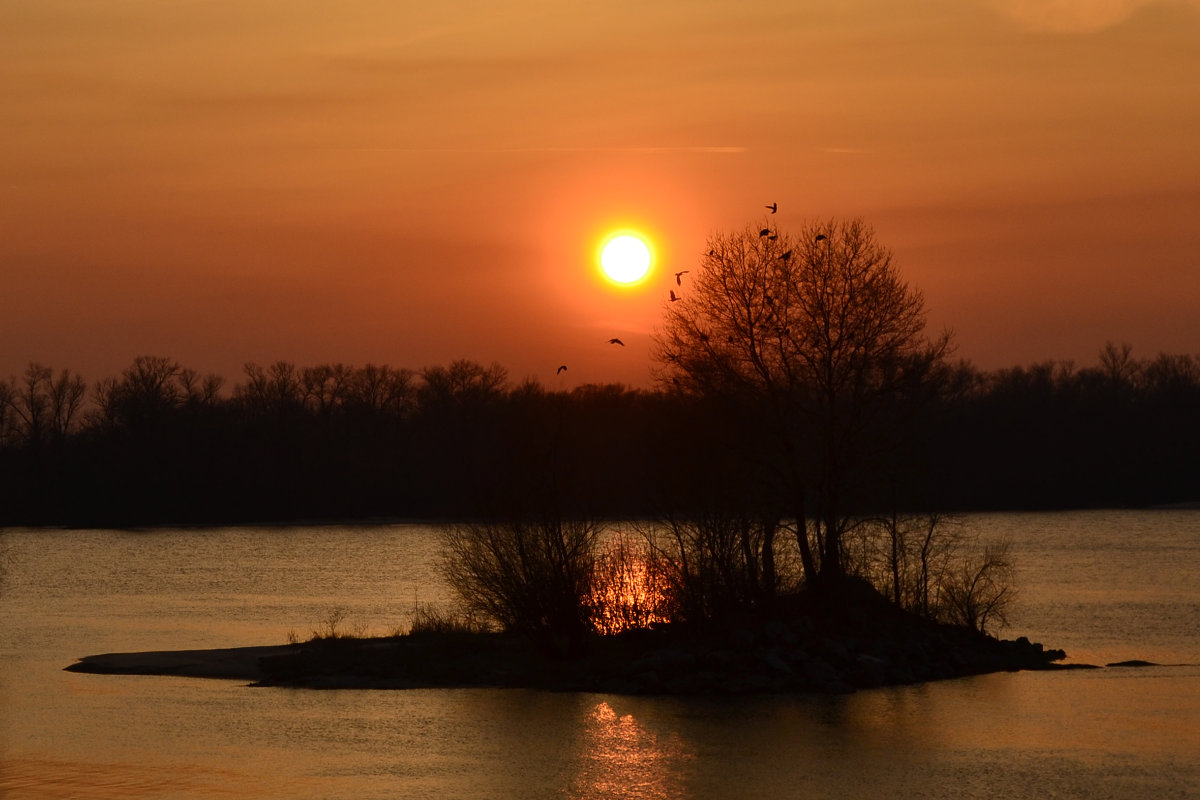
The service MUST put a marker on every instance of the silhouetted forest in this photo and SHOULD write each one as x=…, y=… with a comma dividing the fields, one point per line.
x=162, y=444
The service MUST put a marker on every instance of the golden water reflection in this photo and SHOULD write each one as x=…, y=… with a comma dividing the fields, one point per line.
x=624, y=758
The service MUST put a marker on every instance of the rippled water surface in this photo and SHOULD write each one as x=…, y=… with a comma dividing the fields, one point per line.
x=1105, y=586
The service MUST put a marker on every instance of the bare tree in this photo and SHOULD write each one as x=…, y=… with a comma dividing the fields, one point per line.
x=143, y=396
x=382, y=389
x=200, y=390
x=532, y=576
x=43, y=407
x=326, y=386
x=908, y=557
x=31, y=405
x=7, y=415
x=823, y=332
x=464, y=382
x=275, y=391
x=712, y=563
x=1118, y=365
x=66, y=398
x=981, y=591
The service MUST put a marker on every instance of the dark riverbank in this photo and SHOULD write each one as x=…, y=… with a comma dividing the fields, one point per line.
x=810, y=643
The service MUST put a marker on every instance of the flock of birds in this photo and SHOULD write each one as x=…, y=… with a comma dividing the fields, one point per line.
x=765, y=232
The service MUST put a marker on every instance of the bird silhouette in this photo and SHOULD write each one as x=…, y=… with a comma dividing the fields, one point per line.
x=678, y=281
x=773, y=237
x=561, y=369
x=616, y=341
x=821, y=236
x=764, y=231
x=674, y=297
x=786, y=256
x=774, y=207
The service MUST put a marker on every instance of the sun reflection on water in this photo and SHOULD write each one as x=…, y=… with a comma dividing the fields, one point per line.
x=625, y=759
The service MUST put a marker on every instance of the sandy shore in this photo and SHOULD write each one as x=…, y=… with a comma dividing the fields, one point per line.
x=234, y=663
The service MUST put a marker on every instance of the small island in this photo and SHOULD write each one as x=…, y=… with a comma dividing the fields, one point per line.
x=813, y=642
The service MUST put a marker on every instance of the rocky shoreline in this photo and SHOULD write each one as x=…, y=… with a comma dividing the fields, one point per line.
x=809, y=644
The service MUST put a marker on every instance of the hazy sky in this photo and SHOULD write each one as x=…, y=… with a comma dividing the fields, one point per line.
x=392, y=182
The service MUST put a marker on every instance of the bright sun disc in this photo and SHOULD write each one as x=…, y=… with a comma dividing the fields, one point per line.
x=625, y=259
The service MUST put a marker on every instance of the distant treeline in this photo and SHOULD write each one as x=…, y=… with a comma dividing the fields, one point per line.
x=163, y=444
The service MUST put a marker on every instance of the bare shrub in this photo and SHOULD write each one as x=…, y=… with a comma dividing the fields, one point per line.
x=333, y=627
x=908, y=558
x=980, y=591
x=432, y=620
x=630, y=589
x=527, y=576
x=715, y=562
x=925, y=564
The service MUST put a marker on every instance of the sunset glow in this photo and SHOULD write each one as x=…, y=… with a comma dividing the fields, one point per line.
x=230, y=183
x=628, y=591
x=625, y=258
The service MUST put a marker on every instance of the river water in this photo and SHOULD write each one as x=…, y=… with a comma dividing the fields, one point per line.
x=1105, y=586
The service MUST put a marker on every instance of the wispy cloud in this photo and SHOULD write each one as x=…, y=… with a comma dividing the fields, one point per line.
x=713, y=149
x=1077, y=16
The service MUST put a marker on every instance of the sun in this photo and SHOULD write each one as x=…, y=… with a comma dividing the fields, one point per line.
x=625, y=258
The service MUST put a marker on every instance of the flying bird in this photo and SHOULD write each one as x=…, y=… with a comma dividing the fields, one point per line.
x=616, y=341
x=679, y=282
x=764, y=231
x=674, y=297
x=561, y=369
x=774, y=207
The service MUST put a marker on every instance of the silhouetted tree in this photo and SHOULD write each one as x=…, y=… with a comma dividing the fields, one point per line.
x=820, y=335
x=980, y=591
x=272, y=392
x=737, y=436
x=382, y=391
x=531, y=576
x=463, y=383
x=326, y=386
x=7, y=415
x=42, y=407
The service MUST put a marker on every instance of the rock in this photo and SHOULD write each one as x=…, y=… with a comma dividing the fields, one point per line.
x=818, y=673
x=665, y=661
x=617, y=686
x=776, y=663
x=647, y=682
x=777, y=632
x=742, y=639
x=868, y=672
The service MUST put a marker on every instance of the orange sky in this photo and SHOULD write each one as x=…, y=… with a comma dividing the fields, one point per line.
x=381, y=181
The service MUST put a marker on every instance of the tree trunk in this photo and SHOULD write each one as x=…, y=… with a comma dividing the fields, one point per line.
x=806, y=556
x=768, y=559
